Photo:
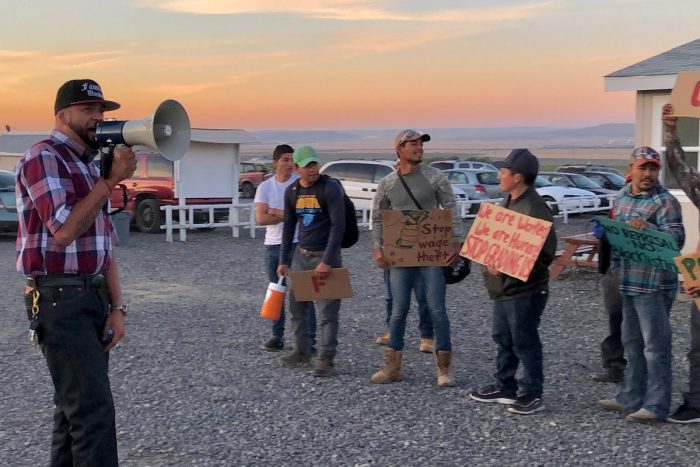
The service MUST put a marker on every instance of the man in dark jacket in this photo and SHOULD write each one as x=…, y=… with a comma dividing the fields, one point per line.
x=315, y=204
x=688, y=178
x=518, y=304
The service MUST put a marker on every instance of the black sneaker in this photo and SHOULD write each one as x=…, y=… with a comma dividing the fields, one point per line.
x=685, y=414
x=273, y=345
x=492, y=394
x=526, y=405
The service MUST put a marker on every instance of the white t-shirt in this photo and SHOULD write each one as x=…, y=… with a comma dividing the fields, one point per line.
x=271, y=192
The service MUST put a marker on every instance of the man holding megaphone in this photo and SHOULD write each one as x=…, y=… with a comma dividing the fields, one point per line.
x=73, y=294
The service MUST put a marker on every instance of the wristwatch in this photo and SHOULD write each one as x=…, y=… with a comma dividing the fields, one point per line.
x=123, y=308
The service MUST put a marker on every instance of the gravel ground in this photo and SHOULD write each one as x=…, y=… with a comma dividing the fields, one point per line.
x=192, y=388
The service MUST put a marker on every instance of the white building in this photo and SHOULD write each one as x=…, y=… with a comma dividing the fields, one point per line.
x=652, y=80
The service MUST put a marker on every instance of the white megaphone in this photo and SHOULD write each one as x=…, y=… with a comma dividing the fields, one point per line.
x=167, y=130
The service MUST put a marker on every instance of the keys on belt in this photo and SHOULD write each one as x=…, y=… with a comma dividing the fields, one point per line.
x=310, y=253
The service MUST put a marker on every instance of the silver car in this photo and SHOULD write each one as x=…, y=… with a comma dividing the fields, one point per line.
x=475, y=182
x=8, y=203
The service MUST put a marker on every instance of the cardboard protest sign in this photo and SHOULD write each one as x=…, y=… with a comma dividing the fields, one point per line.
x=418, y=238
x=307, y=287
x=649, y=247
x=689, y=267
x=508, y=240
x=685, y=96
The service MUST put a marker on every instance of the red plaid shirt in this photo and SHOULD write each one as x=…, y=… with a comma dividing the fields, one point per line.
x=52, y=176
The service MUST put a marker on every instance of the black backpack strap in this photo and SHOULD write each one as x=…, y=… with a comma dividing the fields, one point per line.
x=321, y=194
x=408, y=190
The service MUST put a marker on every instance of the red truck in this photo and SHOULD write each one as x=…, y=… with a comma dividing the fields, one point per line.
x=153, y=186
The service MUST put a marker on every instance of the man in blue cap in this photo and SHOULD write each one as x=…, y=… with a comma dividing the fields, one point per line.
x=518, y=305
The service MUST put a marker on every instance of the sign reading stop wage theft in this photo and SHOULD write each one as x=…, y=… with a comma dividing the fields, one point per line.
x=506, y=240
x=685, y=96
x=689, y=267
x=418, y=238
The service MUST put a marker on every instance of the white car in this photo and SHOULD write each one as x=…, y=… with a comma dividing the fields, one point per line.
x=575, y=199
x=470, y=165
x=361, y=177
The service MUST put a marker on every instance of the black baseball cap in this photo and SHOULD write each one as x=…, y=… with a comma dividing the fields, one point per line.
x=522, y=161
x=81, y=91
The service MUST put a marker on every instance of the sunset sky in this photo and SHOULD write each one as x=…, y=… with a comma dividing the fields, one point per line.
x=337, y=64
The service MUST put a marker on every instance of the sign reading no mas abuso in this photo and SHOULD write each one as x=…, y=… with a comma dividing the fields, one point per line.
x=418, y=238
x=506, y=240
x=649, y=247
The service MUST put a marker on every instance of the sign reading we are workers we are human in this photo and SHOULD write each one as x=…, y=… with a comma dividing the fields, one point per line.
x=506, y=240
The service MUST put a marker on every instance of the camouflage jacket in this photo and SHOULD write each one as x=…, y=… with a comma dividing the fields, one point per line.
x=444, y=197
x=687, y=176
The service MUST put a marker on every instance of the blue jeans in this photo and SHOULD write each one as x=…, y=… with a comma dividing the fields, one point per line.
x=515, y=330
x=405, y=280
x=328, y=310
x=425, y=324
x=646, y=335
x=272, y=257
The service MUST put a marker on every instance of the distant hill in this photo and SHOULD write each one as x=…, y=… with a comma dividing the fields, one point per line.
x=608, y=130
x=617, y=134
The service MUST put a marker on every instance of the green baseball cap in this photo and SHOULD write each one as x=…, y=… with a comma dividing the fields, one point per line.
x=304, y=155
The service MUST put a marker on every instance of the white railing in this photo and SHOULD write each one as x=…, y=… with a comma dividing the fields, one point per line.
x=236, y=212
x=571, y=205
x=186, y=215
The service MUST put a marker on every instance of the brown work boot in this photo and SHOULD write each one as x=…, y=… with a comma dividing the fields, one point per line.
x=391, y=371
x=426, y=345
x=610, y=376
x=323, y=367
x=445, y=370
x=295, y=358
x=384, y=339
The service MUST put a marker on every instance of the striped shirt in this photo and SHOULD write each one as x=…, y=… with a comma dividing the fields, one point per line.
x=52, y=176
x=662, y=213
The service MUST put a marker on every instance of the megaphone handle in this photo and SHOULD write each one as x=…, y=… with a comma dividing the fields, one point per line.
x=106, y=160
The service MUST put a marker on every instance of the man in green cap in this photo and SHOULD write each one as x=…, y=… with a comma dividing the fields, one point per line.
x=315, y=203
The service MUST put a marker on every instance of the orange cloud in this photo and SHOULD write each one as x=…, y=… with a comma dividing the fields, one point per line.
x=342, y=10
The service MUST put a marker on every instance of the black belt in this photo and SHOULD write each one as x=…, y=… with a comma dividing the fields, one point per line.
x=67, y=280
x=311, y=254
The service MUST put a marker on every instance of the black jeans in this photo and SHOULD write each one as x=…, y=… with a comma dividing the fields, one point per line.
x=692, y=397
x=70, y=331
x=612, y=351
x=515, y=330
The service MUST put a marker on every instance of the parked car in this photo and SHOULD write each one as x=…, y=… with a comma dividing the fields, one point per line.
x=252, y=175
x=609, y=180
x=577, y=168
x=153, y=186
x=572, y=198
x=484, y=182
x=9, y=221
x=578, y=181
x=361, y=177
x=474, y=165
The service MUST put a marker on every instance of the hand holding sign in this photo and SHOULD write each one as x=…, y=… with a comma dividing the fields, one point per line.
x=308, y=286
